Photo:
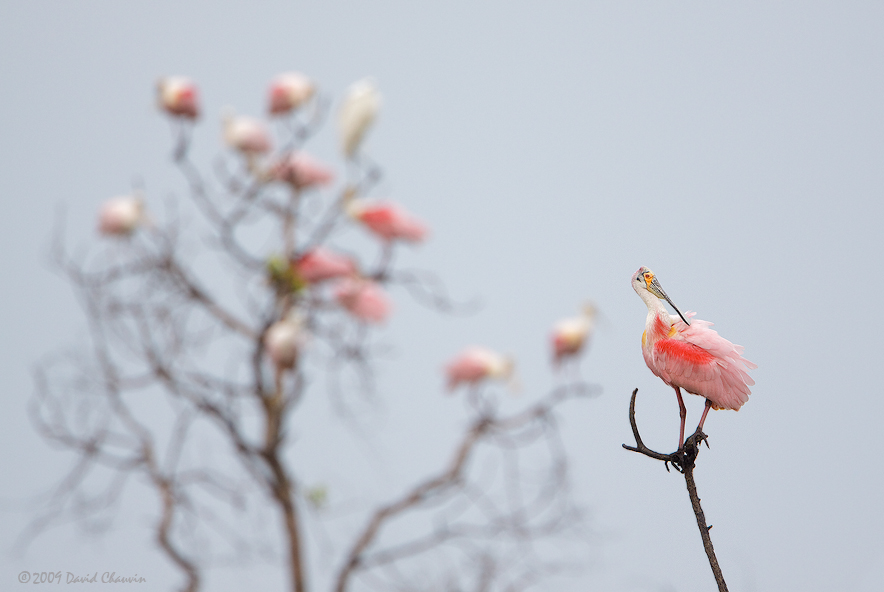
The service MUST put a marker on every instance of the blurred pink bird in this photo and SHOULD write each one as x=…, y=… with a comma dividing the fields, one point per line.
x=322, y=264
x=363, y=298
x=388, y=221
x=690, y=356
x=245, y=134
x=300, y=170
x=120, y=216
x=475, y=364
x=178, y=96
x=288, y=92
x=569, y=336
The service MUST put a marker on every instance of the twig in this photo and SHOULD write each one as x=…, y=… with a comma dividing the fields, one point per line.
x=528, y=519
x=675, y=458
x=412, y=498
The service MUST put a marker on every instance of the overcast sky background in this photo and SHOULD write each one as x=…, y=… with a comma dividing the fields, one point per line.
x=736, y=149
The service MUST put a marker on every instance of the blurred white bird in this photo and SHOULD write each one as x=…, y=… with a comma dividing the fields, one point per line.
x=289, y=91
x=120, y=216
x=570, y=336
x=284, y=340
x=358, y=112
x=178, y=96
x=245, y=134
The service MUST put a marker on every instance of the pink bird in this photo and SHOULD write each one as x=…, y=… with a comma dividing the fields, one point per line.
x=300, y=170
x=120, y=216
x=289, y=91
x=322, y=264
x=178, y=96
x=363, y=298
x=569, y=336
x=388, y=221
x=245, y=134
x=475, y=364
x=690, y=356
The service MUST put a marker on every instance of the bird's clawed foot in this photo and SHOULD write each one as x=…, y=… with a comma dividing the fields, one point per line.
x=687, y=454
x=677, y=459
x=694, y=440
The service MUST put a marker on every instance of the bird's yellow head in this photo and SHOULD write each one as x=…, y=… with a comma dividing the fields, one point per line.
x=645, y=279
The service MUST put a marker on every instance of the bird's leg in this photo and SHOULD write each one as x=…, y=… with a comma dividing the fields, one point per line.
x=703, y=418
x=683, y=413
x=692, y=445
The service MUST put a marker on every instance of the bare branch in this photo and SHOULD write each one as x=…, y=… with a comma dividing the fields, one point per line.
x=684, y=461
x=521, y=518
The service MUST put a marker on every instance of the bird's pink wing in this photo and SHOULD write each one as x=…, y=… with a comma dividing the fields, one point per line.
x=321, y=264
x=702, y=362
x=391, y=222
x=364, y=299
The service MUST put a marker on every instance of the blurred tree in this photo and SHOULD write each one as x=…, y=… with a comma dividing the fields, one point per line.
x=220, y=341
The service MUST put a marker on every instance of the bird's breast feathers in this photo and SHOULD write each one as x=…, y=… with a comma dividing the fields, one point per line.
x=678, y=351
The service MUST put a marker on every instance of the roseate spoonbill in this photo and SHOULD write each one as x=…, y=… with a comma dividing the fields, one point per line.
x=387, y=220
x=475, y=364
x=245, y=134
x=690, y=355
x=362, y=298
x=300, y=170
x=178, y=96
x=569, y=336
x=120, y=216
x=289, y=91
x=358, y=111
x=322, y=264
x=285, y=339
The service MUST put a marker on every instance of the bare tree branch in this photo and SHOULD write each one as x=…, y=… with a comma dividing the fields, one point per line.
x=684, y=461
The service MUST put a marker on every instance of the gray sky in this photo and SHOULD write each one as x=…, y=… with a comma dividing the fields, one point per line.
x=554, y=148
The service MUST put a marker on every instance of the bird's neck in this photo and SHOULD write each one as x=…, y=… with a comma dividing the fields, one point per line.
x=658, y=322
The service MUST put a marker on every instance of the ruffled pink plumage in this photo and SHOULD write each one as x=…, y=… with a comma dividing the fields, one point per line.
x=363, y=299
x=301, y=171
x=465, y=369
x=389, y=221
x=475, y=364
x=322, y=264
x=697, y=359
